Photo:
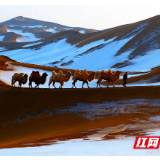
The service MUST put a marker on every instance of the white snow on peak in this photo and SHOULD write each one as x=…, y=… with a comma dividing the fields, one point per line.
x=82, y=31
x=51, y=30
x=26, y=37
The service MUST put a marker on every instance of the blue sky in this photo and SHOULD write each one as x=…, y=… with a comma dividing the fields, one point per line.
x=88, y=16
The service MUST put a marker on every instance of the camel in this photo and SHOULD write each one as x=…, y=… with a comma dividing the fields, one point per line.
x=108, y=76
x=20, y=77
x=37, y=78
x=60, y=77
x=83, y=76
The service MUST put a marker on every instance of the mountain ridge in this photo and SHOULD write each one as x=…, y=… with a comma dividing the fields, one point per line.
x=123, y=45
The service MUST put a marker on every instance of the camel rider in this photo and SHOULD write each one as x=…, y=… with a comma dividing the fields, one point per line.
x=125, y=79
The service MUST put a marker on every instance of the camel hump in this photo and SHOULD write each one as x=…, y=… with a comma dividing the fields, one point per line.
x=60, y=72
x=21, y=74
x=103, y=71
x=85, y=71
x=78, y=71
x=110, y=71
x=54, y=73
x=16, y=73
x=37, y=72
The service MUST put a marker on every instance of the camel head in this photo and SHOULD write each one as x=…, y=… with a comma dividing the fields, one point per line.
x=24, y=79
x=69, y=73
x=43, y=78
x=44, y=74
x=117, y=75
x=92, y=76
x=118, y=72
x=67, y=76
x=26, y=75
x=98, y=74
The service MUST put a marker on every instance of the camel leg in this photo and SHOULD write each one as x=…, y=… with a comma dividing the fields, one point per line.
x=50, y=81
x=108, y=84
x=60, y=86
x=87, y=84
x=37, y=86
x=13, y=82
x=113, y=83
x=99, y=82
x=20, y=84
x=74, y=84
x=30, y=84
x=54, y=84
x=62, y=83
x=49, y=84
x=83, y=84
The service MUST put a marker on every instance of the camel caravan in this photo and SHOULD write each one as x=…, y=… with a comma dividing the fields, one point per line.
x=60, y=77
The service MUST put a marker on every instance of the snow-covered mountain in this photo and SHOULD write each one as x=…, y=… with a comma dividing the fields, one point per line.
x=131, y=47
x=27, y=29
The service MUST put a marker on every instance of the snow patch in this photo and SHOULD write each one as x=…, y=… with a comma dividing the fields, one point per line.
x=51, y=30
x=82, y=31
x=32, y=44
x=26, y=37
x=1, y=38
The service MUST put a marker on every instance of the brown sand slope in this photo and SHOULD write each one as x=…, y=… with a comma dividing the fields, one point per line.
x=3, y=66
x=23, y=119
